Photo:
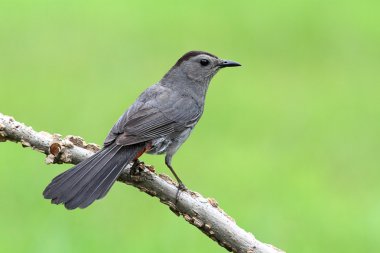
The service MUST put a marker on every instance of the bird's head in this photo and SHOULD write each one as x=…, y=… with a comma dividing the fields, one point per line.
x=201, y=66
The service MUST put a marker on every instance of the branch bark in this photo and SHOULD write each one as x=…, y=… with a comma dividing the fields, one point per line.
x=203, y=213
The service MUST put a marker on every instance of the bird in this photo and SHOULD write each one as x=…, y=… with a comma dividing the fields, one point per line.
x=158, y=122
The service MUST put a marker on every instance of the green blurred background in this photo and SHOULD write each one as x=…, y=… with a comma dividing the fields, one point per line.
x=289, y=143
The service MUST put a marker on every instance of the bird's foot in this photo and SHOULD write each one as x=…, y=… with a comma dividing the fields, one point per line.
x=136, y=167
x=181, y=187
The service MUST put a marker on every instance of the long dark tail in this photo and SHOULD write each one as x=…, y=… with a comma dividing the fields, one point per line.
x=91, y=179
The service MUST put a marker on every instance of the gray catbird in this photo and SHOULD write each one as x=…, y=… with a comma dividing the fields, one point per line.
x=158, y=122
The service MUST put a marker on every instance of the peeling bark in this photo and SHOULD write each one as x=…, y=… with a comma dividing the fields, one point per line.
x=203, y=213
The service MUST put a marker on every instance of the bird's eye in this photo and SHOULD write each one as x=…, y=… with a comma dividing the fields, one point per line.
x=205, y=62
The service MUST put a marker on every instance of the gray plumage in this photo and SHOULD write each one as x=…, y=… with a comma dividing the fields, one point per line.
x=159, y=121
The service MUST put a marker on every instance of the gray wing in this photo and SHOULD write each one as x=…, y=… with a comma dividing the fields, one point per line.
x=157, y=112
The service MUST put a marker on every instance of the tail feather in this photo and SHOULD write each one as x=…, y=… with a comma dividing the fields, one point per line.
x=91, y=179
x=62, y=187
x=71, y=186
x=63, y=177
x=97, y=193
x=86, y=193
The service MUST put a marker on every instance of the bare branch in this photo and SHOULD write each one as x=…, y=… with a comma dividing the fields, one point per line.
x=204, y=213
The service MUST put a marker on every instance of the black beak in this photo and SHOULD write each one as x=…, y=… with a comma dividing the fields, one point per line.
x=227, y=63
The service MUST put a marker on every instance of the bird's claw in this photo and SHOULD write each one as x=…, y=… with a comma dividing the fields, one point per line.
x=181, y=187
x=136, y=167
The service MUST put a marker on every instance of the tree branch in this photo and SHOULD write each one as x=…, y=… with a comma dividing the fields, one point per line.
x=204, y=213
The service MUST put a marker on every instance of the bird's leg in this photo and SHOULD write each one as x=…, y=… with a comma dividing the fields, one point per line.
x=135, y=166
x=181, y=186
